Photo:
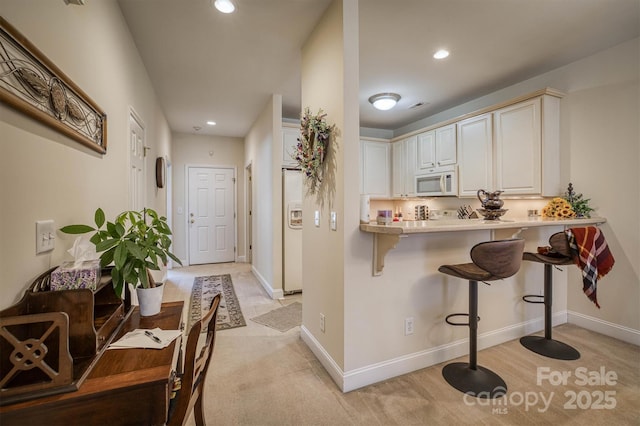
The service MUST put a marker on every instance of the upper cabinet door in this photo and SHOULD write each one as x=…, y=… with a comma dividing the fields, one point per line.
x=446, y=154
x=475, y=148
x=289, y=145
x=403, y=169
x=518, y=148
x=374, y=168
x=437, y=148
x=427, y=150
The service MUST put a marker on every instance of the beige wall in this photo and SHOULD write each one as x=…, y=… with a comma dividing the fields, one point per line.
x=263, y=145
x=201, y=150
x=330, y=83
x=44, y=175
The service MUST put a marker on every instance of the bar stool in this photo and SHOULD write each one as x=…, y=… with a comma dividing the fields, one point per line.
x=492, y=260
x=559, y=255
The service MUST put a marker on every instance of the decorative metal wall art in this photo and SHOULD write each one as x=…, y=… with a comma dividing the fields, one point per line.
x=31, y=83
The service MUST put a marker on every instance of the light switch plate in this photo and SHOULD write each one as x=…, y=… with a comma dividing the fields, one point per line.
x=45, y=236
x=316, y=218
x=334, y=221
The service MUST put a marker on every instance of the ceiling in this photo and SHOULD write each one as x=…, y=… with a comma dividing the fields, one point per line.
x=205, y=65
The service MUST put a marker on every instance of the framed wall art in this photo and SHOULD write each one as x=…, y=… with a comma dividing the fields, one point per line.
x=32, y=84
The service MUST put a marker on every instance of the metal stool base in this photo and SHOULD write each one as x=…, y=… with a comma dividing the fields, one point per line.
x=550, y=348
x=481, y=383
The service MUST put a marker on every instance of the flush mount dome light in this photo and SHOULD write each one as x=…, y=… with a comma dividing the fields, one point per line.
x=224, y=6
x=384, y=101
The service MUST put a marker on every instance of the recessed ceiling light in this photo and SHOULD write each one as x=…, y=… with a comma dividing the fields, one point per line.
x=441, y=54
x=211, y=123
x=224, y=6
x=384, y=101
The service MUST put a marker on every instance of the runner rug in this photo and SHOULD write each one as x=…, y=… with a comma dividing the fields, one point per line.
x=204, y=290
x=282, y=319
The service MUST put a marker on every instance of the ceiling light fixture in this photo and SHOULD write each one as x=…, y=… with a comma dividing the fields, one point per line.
x=441, y=54
x=384, y=101
x=211, y=123
x=224, y=6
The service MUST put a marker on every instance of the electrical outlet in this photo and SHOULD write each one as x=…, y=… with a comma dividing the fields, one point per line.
x=322, y=322
x=408, y=326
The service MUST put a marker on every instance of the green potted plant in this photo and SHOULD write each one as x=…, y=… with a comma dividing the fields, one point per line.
x=135, y=243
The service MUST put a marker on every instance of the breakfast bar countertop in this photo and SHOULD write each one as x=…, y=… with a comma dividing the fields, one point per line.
x=449, y=225
x=386, y=237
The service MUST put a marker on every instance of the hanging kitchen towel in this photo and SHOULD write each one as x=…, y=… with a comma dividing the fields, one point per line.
x=591, y=254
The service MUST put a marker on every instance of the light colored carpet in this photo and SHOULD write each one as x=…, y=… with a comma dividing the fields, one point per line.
x=204, y=290
x=282, y=319
x=261, y=377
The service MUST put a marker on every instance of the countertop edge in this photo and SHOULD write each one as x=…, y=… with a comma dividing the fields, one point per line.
x=409, y=227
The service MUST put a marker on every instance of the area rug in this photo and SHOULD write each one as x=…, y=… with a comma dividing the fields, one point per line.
x=282, y=319
x=204, y=290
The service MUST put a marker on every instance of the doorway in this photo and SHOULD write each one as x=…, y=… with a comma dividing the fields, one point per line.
x=137, y=153
x=249, y=216
x=211, y=214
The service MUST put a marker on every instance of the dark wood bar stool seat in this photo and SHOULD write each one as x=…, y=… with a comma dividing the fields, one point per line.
x=492, y=260
x=558, y=255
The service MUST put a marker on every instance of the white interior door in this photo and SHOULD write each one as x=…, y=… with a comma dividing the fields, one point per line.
x=211, y=215
x=137, y=163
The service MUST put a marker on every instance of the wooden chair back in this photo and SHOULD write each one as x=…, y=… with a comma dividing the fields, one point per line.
x=195, y=369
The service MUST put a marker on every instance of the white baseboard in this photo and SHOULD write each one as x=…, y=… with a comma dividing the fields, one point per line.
x=374, y=373
x=384, y=370
x=273, y=293
x=610, y=329
x=323, y=356
x=241, y=259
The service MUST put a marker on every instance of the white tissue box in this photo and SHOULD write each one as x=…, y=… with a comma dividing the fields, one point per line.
x=71, y=276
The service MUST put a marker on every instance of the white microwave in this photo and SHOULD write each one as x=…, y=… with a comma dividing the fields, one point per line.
x=439, y=181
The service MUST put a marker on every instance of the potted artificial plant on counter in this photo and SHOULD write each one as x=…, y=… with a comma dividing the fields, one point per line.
x=135, y=243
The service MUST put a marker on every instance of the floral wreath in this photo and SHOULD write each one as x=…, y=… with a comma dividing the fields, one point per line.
x=312, y=146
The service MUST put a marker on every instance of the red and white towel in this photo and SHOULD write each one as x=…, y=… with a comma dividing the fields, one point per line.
x=591, y=254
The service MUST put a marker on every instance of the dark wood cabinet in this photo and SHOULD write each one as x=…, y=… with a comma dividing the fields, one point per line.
x=75, y=380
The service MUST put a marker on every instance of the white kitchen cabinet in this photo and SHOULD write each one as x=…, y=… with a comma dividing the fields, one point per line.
x=527, y=147
x=426, y=150
x=518, y=148
x=437, y=148
x=403, y=158
x=475, y=155
x=446, y=150
x=290, y=136
x=374, y=168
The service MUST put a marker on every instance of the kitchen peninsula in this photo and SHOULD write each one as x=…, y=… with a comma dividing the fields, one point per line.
x=386, y=237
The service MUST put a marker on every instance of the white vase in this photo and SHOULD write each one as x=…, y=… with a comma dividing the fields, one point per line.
x=150, y=299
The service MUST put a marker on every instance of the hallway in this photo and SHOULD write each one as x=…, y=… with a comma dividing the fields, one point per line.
x=260, y=376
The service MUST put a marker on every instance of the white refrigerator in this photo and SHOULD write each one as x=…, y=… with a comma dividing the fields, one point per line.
x=292, y=231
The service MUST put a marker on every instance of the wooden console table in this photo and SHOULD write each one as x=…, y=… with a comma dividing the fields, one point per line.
x=126, y=386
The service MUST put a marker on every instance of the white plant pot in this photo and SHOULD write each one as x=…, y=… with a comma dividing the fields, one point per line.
x=150, y=299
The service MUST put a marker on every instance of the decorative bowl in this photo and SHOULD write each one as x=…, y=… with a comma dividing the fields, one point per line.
x=493, y=214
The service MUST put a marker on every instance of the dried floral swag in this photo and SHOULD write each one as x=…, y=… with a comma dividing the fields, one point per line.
x=315, y=135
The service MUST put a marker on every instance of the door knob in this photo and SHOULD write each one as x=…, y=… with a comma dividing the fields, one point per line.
x=192, y=221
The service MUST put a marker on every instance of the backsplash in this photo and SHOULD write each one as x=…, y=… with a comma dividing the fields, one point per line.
x=517, y=207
